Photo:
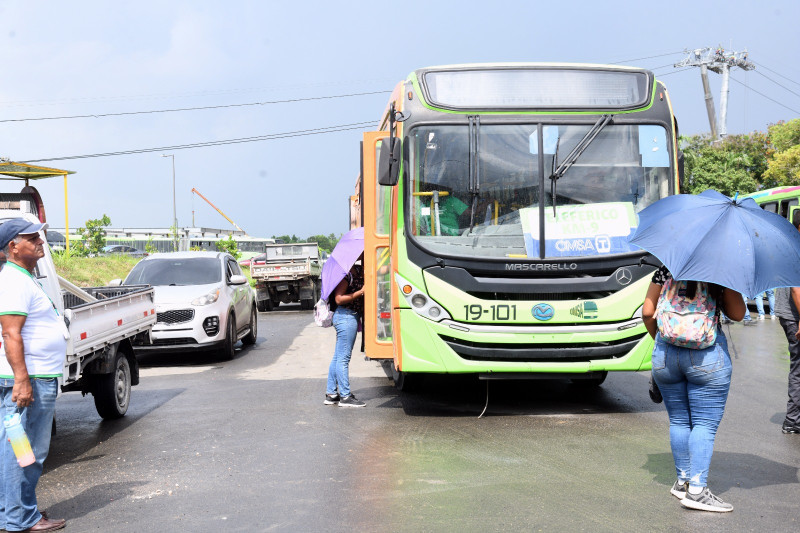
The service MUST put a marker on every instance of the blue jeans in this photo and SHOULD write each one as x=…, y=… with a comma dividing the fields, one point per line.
x=746, y=310
x=760, y=302
x=694, y=384
x=346, y=323
x=18, y=508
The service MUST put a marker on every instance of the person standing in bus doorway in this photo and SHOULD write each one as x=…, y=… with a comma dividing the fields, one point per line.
x=787, y=303
x=694, y=384
x=32, y=359
x=348, y=315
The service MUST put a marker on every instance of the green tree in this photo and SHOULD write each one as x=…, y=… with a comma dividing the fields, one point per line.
x=784, y=165
x=149, y=247
x=784, y=168
x=326, y=243
x=94, y=236
x=784, y=135
x=725, y=166
x=229, y=245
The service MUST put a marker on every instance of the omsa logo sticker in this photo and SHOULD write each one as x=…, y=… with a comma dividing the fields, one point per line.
x=543, y=312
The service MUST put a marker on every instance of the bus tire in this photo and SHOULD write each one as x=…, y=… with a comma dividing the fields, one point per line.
x=591, y=382
x=403, y=381
x=112, y=392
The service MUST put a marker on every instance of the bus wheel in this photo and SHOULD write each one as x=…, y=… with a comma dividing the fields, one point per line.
x=591, y=382
x=404, y=381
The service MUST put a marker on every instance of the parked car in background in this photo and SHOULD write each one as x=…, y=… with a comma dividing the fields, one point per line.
x=202, y=301
x=256, y=260
x=122, y=249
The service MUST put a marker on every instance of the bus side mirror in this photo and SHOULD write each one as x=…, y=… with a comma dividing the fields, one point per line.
x=389, y=162
x=680, y=171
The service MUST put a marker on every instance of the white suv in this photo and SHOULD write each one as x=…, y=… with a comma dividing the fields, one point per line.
x=202, y=300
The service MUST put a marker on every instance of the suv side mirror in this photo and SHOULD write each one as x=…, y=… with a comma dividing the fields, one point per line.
x=237, y=279
x=389, y=161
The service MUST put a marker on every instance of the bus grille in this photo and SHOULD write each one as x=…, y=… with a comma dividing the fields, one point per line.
x=542, y=353
x=176, y=316
x=540, y=296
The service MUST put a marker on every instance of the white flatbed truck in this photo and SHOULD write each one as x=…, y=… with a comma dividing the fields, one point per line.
x=102, y=323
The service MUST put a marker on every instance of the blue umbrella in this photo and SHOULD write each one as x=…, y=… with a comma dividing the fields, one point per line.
x=731, y=242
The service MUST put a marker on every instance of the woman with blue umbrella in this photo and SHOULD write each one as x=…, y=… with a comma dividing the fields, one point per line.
x=343, y=288
x=714, y=250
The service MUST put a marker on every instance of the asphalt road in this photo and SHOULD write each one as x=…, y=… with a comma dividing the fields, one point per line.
x=247, y=445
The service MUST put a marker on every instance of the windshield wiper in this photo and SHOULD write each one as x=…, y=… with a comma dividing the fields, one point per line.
x=474, y=167
x=573, y=156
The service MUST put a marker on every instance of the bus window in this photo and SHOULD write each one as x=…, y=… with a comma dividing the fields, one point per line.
x=383, y=291
x=785, y=205
x=383, y=209
x=772, y=207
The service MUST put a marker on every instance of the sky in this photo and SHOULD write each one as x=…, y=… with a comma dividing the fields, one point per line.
x=307, y=65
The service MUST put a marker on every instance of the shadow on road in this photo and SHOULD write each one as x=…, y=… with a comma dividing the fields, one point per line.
x=93, y=498
x=728, y=470
x=457, y=395
x=79, y=428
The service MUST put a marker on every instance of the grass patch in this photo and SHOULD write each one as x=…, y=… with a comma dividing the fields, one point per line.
x=93, y=271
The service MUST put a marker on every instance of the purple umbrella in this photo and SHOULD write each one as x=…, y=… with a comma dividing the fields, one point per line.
x=342, y=258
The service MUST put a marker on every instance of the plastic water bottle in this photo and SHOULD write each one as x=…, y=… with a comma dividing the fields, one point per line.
x=19, y=440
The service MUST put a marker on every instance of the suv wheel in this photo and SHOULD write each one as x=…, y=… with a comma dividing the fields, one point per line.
x=227, y=351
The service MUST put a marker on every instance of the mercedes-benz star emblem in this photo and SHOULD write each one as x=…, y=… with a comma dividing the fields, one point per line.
x=623, y=276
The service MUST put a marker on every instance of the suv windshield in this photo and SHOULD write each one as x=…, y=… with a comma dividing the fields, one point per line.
x=168, y=271
x=494, y=210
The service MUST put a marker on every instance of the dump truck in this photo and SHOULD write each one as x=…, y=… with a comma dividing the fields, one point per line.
x=290, y=273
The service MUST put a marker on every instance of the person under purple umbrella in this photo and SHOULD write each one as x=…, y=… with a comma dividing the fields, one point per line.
x=343, y=288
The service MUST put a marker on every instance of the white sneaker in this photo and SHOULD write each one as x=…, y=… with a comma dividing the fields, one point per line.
x=679, y=489
x=705, y=501
x=773, y=317
x=761, y=317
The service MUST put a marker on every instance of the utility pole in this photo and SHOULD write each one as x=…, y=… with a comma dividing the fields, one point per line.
x=720, y=61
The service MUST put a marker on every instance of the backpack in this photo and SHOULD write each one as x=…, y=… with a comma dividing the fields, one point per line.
x=684, y=322
x=323, y=316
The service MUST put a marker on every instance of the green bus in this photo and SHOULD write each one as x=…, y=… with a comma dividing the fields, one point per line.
x=784, y=201
x=497, y=201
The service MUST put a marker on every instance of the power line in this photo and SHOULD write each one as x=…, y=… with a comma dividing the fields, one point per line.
x=767, y=97
x=778, y=84
x=268, y=137
x=674, y=72
x=649, y=57
x=202, y=108
x=777, y=73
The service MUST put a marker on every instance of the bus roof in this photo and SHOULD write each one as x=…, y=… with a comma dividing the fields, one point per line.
x=762, y=195
x=546, y=86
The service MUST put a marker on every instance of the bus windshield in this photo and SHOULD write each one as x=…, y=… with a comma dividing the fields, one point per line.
x=477, y=192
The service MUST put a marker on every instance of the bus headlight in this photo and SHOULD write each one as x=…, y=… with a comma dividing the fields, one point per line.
x=420, y=303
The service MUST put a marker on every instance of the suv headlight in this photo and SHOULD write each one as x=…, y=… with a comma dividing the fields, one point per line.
x=207, y=299
x=421, y=303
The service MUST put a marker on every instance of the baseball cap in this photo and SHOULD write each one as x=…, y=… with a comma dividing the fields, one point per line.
x=17, y=226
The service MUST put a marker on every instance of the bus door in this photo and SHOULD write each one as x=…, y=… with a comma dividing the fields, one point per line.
x=377, y=209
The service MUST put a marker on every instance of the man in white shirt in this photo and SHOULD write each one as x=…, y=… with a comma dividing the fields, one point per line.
x=32, y=356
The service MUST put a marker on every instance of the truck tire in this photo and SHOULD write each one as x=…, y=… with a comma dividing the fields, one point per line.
x=264, y=305
x=112, y=392
x=250, y=338
x=227, y=350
